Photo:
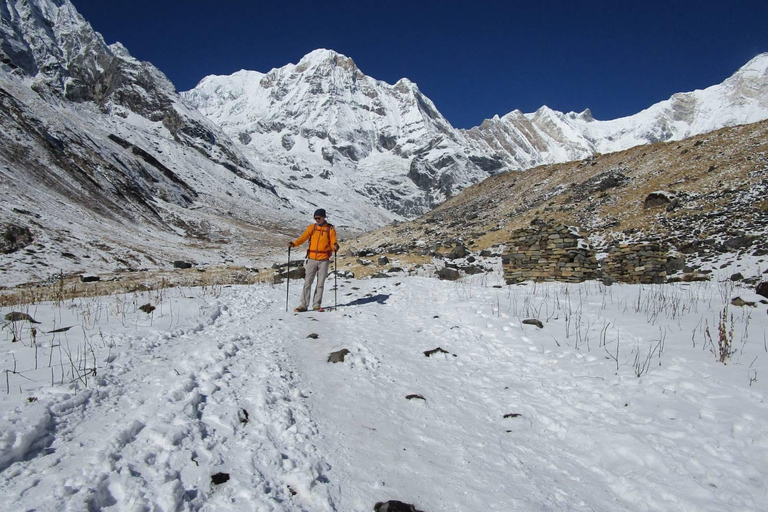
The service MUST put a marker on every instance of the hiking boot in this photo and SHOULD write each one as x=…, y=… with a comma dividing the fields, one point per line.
x=300, y=309
x=318, y=309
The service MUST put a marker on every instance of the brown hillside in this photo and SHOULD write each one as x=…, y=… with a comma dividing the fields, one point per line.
x=714, y=199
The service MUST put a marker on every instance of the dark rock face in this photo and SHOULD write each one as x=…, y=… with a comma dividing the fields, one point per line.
x=762, y=289
x=489, y=165
x=14, y=237
x=657, y=199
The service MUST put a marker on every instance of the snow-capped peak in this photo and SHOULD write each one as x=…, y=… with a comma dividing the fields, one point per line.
x=372, y=142
x=323, y=56
x=548, y=136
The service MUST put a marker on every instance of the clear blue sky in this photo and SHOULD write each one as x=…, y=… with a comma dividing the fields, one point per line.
x=473, y=59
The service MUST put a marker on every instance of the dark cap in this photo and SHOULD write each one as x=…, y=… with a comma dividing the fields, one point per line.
x=320, y=213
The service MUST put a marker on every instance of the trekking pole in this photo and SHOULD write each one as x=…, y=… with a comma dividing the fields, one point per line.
x=335, y=281
x=288, y=277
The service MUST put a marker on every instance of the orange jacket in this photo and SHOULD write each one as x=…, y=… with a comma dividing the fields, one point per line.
x=322, y=241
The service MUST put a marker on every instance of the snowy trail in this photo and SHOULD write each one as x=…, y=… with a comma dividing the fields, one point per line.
x=170, y=415
x=508, y=417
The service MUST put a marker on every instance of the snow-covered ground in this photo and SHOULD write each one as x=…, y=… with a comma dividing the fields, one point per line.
x=135, y=411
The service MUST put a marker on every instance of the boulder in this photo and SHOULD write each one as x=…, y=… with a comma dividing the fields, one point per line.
x=448, y=274
x=533, y=321
x=762, y=289
x=338, y=356
x=394, y=506
x=658, y=198
x=457, y=252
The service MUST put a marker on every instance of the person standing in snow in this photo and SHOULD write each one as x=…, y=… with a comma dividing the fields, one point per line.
x=322, y=244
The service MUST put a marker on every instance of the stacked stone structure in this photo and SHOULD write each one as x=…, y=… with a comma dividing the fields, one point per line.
x=549, y=253
x=636, y=263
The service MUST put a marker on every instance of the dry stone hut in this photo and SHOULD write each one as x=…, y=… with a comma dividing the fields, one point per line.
x=549, y=253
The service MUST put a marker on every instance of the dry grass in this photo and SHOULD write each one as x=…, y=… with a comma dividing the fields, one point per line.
x=69, y=288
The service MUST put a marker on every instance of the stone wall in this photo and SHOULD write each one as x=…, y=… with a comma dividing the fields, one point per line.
x=636, y=263
x=562, y=253
x=549, y=253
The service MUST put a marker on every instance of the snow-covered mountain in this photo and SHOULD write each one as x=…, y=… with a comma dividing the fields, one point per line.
x=102, y=161
x=548, y=136
x=326, y=129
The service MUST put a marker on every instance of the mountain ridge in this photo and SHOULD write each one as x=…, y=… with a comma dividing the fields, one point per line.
x=548, y=136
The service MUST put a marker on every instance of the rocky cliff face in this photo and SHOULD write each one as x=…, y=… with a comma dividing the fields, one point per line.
x=101, y=160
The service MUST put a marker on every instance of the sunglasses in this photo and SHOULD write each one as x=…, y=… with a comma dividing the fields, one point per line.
x=319, y=218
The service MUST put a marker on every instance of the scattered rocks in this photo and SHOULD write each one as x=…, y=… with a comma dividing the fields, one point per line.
x=313, y=336
x=338, y=356
x=415, y=397
x=738, y=276
x=89, y=278
x=437, y=350
x=147, y=308
x=512, y=415
x=182, y=264
x=533, y=321
x=383, y=260
x=762, y=289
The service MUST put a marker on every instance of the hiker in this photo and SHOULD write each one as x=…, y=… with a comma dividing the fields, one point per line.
x=322, y=244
